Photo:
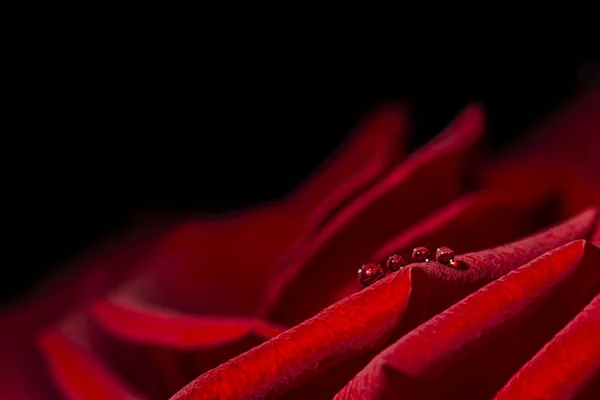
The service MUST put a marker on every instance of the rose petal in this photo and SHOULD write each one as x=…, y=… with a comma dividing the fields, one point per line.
x=530, y=178
x=569, y=139
x=559, y=154
x=157, y=349
x=376, y=146
x=505, y=323
x=435, y=287
x=566, y=366
x=22, y=373
x=388, y=207
x=155, y=344
x=145, y=324
x=346, y=332
x=336, y=332
x=465, y=226
x=77, y=374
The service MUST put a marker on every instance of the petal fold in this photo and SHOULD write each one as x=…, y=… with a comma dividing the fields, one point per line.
x=385, y=209
x=472, y=349
x=319, y=356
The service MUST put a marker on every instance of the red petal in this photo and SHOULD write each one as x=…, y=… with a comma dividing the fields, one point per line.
x=474, y=347
x=371, y=219
x=561, y=154
x=481, y=220
x=566, y=366
x=376, y=146
x=346, y=332
x=145, y=324
x=354, y=325
x=77, y=374
x=22, y=373
x=161, y=349
x=569, y=139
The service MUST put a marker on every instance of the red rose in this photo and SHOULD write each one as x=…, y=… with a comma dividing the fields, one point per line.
x=266, y=303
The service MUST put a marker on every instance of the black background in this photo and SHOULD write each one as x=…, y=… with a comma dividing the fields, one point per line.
x=103, y=139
